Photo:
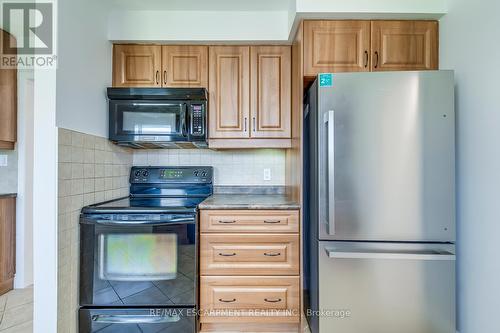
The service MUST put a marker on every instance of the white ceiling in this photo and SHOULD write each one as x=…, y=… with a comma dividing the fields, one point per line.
x=203, y=5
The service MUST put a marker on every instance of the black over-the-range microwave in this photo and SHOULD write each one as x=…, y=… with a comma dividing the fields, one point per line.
x=158, y=117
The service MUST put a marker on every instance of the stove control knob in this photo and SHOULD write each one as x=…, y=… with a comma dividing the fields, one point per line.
x=196, y=173
x=204, y=174
x=145, y=173
x=137, y=173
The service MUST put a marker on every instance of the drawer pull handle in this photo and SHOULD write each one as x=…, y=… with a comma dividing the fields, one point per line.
x=227, y=222
x=227, y=254
x=272, y=222
x=227, y=300
x=272, y=300
x=272, y=254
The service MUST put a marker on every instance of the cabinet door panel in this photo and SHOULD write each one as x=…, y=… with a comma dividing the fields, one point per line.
x=336, y=46
x=270, y=91
x=137, y=66
x=7, y=243
x=404, y=45
x=8, y=98
x=185, y=66
x=229, y=79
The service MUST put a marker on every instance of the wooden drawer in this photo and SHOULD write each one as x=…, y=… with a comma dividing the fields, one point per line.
x=249, y=254
x=254, y=299
x=252, y=221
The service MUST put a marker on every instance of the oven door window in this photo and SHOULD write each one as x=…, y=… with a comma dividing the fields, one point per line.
x=137, y=257
x=151, y=119
x=126, y=265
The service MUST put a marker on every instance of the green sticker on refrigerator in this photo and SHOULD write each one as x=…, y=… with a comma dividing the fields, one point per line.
x=326, y=80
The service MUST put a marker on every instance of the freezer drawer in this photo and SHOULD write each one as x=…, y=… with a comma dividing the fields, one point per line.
x=386, y=288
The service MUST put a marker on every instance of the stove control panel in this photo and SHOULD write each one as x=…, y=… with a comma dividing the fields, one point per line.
x=155, y=175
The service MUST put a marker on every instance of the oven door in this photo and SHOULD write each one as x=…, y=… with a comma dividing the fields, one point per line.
x=155, y=121
x=139, y=320
x=143, y=260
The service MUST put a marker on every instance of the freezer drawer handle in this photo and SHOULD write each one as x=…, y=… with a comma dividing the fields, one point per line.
x=227, y=222
x=227, y=254
x=272, y=300
x=272, y=222
x=135, y=319
x=416, y=255
x=330, y=119
x=227, y=300
x=272, y=254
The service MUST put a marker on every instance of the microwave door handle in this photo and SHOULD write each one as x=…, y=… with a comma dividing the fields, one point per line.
x=184, y=120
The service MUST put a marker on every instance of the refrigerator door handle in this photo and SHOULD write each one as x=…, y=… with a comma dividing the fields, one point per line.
x=330, y=120
x=403, y=255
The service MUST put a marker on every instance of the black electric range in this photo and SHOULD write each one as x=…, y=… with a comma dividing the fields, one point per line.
x=138, y=255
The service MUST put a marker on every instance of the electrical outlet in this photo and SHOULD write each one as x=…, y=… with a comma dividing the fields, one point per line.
x=267, y=174
x=3, y=161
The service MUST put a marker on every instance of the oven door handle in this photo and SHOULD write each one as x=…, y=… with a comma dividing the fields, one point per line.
x=177, y=220
x=135, y=319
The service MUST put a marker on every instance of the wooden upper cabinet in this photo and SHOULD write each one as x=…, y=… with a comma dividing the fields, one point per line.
x=404, y=45
x=229, y=83
x=7, y=243
x=137, y=66
x=185, y=66
x=270, y=91
x=336, y=46
x=8, y=105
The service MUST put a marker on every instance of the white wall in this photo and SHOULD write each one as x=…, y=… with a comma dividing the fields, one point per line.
x=242, y=21
x=193, y=26
x=371, y=6
x=24, y=209
x=470, y=45
x=84, y=66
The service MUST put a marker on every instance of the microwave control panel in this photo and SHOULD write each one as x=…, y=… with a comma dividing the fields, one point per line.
x=197, y=120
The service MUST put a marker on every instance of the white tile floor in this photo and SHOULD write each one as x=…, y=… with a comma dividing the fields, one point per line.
x=16, y=311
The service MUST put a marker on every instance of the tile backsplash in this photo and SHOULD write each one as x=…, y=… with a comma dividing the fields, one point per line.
x=231, y=167
x=91, y=170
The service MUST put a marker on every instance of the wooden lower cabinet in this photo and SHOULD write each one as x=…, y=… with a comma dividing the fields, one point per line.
x=249, y=299
x=242, y=254
x=250, y=271
x=254, y=221
x=7, y=243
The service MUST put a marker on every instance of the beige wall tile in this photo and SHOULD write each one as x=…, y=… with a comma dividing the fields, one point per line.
x=231, y=167
x=91, y=170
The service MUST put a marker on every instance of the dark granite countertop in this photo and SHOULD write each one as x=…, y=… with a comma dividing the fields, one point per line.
x=249, y=201
x=8, y=195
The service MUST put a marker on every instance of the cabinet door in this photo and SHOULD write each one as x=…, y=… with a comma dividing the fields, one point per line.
x=185, y=66
x=137, y=66
x=229, y=83
x=7, y=243
x=336, y=46
x=270, y=91
x=8, y=107
x=404, y=45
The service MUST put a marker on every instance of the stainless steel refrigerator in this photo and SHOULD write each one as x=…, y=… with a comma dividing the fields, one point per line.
x=379, y=190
